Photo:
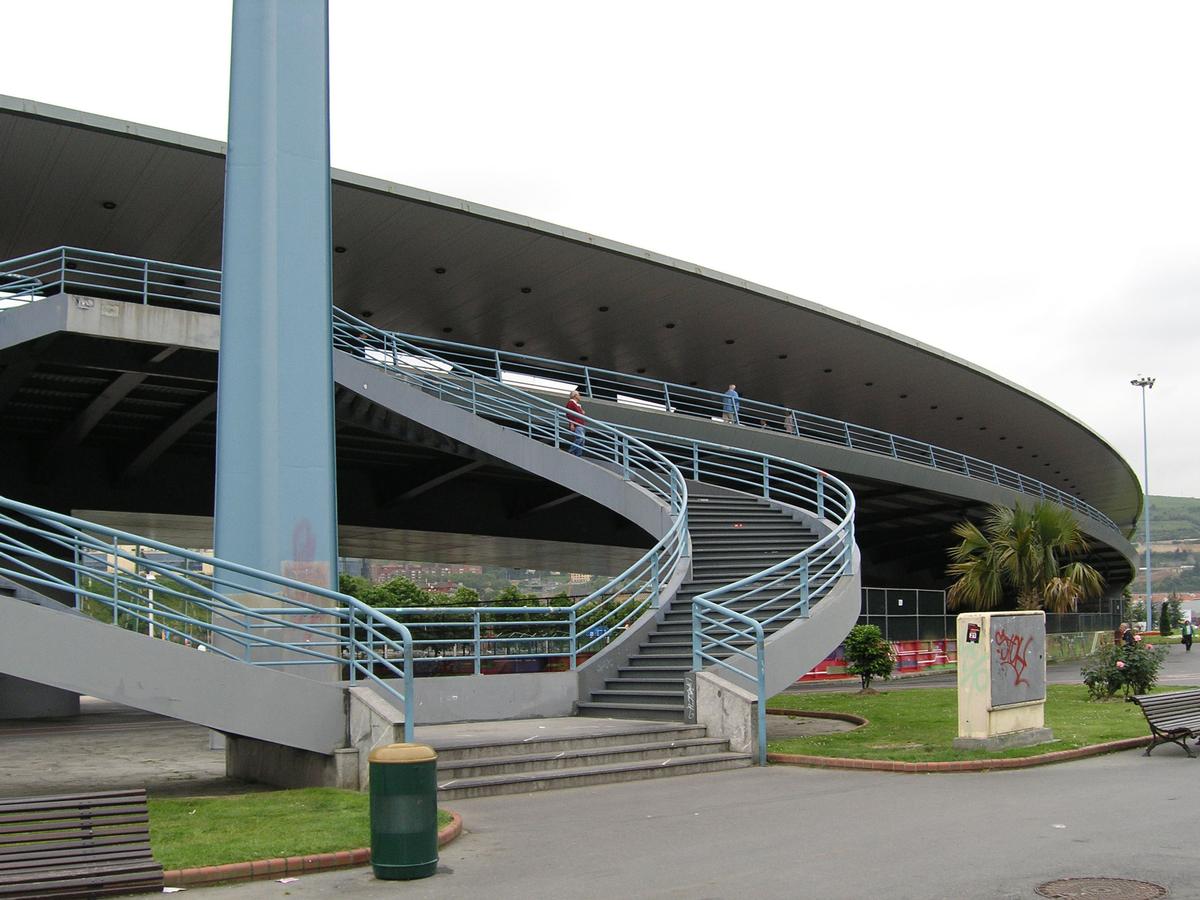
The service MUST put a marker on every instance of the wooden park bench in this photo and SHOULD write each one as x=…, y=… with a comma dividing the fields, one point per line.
x=77, y=845
x=1173, y=717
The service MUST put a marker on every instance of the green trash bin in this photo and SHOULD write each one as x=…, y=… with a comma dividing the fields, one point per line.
x=404, y=828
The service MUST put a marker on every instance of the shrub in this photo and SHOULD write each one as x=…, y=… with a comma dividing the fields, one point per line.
x=868, y=654
x=1133, y=670
x=1166, y=620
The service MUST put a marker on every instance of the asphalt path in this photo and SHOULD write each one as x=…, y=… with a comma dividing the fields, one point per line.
x=795, y=832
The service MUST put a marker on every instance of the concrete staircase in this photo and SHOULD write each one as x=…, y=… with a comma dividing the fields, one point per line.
x=565, y=756
x=733, y=535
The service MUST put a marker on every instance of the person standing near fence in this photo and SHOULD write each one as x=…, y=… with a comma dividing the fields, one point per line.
x=575, y=423
x=729, y=408
x=1188, y=631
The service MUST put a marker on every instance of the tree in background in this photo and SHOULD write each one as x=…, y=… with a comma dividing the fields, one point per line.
x=1166, y=619
x=1025, y=552
x=868, y=654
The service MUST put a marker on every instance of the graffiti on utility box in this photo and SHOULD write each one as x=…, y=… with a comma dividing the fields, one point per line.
x=1018, y=659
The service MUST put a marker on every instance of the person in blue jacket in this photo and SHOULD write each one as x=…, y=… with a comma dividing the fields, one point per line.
x=729, y=410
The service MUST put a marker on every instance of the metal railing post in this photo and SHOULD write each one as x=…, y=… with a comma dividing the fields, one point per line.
x=892, y=444
x=846, y=430
x=820, y=497
x=587, y=381
x=654, y=574
x=475, y=640
x=762, y=694
x=145, y=282
x=574, y=624
x=766, y=477
x=499, y=371
x=116, y=582
x=352, y=648
x=667, y=397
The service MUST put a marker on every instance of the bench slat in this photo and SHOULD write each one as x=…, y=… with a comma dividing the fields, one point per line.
x=71, y=858
x=76, y=845
x=96, y=814
x=18, y=851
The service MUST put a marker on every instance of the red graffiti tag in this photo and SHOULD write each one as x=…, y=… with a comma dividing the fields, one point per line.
x=1011, y=649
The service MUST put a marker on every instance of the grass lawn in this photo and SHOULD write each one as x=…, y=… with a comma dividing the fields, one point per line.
x=919, y=725
x=209, y=831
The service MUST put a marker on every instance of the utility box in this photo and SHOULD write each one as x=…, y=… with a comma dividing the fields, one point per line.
x=1001, y=680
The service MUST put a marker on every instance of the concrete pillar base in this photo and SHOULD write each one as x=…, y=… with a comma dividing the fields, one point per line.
x=21, y=699
x=253, y=760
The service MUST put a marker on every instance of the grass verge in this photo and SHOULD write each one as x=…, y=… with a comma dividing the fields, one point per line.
x=211, y=831
x=920, y=725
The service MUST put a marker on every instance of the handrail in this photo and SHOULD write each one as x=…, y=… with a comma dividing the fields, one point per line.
x=223, y=607
x=65, y=269
x=715, y=620
x=589, y=623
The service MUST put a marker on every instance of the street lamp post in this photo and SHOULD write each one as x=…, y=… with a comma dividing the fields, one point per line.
x=1143, y=382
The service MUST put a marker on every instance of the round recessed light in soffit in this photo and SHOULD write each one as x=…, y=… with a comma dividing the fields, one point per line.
x=367, y=313
x=601, y=309
x=729, y=341
x=339, y=249
x=669, y=325
x=447, y=329
x=518, y=343
x=827, y=371
x=109, y=204
x=440, y=270
x=526, y=290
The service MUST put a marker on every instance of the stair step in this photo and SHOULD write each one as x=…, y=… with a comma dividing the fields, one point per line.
x=654, y=711
x=565, y=759
x=650, y=732
x=632, y=683
x=655, y=697
x=525, y=782
x=639, y=672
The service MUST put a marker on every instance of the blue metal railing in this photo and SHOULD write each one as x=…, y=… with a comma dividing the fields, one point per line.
x=224, y=607
x=71, y=269
x=649, y=460
x=481, y=634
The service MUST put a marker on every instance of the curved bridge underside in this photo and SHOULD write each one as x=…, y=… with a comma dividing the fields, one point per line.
x=108, y=409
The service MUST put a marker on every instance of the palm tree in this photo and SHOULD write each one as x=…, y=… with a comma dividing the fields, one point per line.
x=1018, y=551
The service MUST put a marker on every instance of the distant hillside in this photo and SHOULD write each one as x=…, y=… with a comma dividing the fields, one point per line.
x=1172, y=519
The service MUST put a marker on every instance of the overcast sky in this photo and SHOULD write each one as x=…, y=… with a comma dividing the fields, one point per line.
x=1014, y=183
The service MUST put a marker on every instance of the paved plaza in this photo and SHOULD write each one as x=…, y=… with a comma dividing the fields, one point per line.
x=774, y=832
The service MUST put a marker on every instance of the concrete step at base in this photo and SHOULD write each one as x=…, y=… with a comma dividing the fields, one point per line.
x=656, y=712
x=521, y=783
x=635, y=733
x=582, y=756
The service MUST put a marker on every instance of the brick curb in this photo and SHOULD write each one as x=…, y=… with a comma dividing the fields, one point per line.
x=290, y=866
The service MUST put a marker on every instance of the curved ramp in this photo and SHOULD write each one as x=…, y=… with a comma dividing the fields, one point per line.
x=77, y=653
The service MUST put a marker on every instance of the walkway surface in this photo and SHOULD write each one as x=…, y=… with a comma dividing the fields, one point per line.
x=774, y=832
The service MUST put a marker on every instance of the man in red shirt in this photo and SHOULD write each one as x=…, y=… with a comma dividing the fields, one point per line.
x=575, y=423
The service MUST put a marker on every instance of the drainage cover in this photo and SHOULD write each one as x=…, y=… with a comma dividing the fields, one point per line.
x=1105, y=888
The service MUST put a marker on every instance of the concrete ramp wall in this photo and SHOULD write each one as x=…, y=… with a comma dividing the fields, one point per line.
x=76, y=653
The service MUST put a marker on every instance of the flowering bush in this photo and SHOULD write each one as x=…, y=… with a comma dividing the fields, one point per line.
x=1132, y=670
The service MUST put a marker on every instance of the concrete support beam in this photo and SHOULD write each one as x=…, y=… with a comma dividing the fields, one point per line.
x=276, y=503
